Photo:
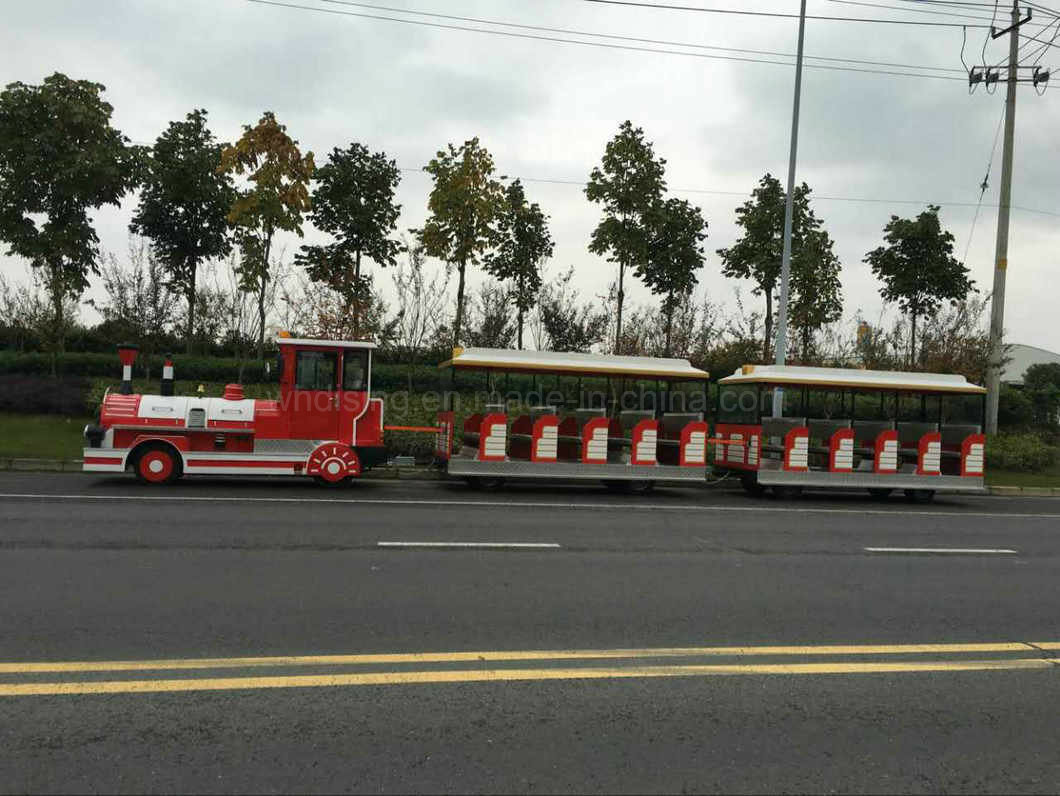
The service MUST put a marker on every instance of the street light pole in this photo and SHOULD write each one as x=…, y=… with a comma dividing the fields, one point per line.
x=789, y=214
x=997, y=301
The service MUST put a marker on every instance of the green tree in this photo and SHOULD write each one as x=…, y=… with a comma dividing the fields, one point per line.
x=184, y=205
x=566, y=323
x=675, y=252
x=628, y=183
x=917, y=268
x=816, y=297
x=464, y=204
x=60, y=158
x=353, y=201
x=1042, y=385
x=276, y=199
x=757, y=254
x=523, y=243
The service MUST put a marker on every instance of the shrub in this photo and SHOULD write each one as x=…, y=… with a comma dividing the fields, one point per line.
x=1021, y=452
x=44, y=395
x=107, y=366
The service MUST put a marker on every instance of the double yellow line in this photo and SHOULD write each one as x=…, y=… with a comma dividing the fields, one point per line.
x=633, y=666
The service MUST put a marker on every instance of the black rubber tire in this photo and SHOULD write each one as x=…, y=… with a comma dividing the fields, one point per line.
x=751, y=486
x=484, y=483
x=880, y=493
x=345, y=482
x=920, y=496
x=622, y=487
x=787, y=492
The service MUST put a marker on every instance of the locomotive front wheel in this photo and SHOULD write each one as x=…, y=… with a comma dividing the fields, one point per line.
x=157, y=464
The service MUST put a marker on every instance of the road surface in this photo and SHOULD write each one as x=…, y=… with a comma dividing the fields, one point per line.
x=227, y=636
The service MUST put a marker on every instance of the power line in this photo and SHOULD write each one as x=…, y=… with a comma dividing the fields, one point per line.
x=616, y=37
x=663, y=6
x=949, y=14
x=982, y=188
x=602, y=45
x=859, y=199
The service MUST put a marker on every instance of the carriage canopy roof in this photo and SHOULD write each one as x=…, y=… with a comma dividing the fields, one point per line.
x=849, y=378
x=572, y=363
x=282, y=340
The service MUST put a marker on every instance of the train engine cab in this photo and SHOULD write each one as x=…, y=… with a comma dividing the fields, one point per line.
x=325, y=423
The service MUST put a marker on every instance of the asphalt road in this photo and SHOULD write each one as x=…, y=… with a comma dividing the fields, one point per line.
x=226, y=636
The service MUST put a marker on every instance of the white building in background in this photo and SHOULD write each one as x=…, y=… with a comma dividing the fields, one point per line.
x=1022, y=357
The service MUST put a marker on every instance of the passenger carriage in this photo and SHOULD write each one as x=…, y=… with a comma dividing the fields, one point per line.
x=859, y=429
x=629, y=422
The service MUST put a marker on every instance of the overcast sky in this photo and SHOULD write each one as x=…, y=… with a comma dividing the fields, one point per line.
x=545, y=110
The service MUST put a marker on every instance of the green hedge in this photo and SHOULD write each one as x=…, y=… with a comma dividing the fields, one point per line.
x=1024, y=452
x=108, y=366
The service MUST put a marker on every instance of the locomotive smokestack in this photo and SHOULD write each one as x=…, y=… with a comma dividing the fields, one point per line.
x=167, y=376
x=127, y=353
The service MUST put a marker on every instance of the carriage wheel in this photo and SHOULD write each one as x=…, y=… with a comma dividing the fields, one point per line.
x=921, y=496
x=751, y=486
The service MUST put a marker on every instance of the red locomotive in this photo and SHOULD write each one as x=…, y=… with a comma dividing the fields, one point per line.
x=326, y=424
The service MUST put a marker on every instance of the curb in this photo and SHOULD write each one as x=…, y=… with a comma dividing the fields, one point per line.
x=24, y=465
x=1023, y=491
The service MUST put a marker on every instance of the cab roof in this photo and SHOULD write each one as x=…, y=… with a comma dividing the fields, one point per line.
x=572, y=363
x=850, y=378
x=325, y=343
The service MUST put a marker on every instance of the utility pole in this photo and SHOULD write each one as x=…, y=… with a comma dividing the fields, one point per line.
x=789, y=215
x=997, y=301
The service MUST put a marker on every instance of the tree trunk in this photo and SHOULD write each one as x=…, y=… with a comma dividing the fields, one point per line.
x=262, y=288
x=669, y=321
x=621, y=298
x=459, y=322
x=912, y=341
x=190, y=293
x=769, y=323
x=55, y=285
x=357, y=296
x=519, y=310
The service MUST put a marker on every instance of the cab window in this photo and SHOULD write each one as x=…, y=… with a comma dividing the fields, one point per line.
x=355, y=371
x=316, y=370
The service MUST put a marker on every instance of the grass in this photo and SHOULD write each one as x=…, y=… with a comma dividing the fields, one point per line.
x=1049, y=477
x=41, y=436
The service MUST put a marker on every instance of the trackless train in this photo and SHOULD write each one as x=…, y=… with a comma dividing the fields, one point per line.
x=841, y=428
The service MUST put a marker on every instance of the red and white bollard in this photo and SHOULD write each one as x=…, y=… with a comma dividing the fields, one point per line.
x=127, y=353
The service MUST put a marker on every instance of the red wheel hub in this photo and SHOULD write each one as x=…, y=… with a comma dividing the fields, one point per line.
x=333, y=462
x=156, y=466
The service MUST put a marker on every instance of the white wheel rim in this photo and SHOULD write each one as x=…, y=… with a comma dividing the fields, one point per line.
x=155, y=466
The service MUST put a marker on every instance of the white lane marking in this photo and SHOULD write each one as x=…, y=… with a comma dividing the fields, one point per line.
x=490, y=545
x=531, y=504
x=959, y=550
